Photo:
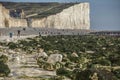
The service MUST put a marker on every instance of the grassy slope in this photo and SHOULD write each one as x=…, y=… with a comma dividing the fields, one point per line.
x=41, y=8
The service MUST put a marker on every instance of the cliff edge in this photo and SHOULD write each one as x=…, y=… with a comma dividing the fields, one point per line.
x=73, y=17
x=7, y=21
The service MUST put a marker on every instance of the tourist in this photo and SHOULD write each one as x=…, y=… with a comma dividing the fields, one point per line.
x=0, y=34
x=18, y=34
x=39, y=34
x=24, y=29
x=10, y=34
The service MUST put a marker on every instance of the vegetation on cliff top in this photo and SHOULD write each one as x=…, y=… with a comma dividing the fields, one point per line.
x=42, y=9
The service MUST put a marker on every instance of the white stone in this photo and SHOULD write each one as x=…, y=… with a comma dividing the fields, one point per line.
x=53, y=58
x=74, y=54
x=42, y=54
x=90, y=51
x=11, y=51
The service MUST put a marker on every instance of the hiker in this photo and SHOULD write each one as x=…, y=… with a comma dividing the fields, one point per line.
x=10, y=34
x=39, y=34
x=18, y=34
x=24, y=29
x=0, y=34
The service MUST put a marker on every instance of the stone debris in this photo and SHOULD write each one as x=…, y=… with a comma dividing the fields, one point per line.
x=74, y=54
x=90, y=52
x=24, y=65
x=42, y=53
x=53, y=58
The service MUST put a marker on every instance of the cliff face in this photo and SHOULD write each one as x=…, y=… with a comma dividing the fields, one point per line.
x=2, y=24
x=74, y=17
x=7, y=21
x=17, y=22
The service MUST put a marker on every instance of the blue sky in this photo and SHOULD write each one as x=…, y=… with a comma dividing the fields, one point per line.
x=105, y=14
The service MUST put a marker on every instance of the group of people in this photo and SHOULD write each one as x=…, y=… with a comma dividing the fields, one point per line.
x=18, y=34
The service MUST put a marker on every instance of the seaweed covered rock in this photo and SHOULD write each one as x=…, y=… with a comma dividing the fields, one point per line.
x=4, y=69
x=53, y=58
x=95, y=74
x=12, y=45
x=63, y=72
x=42, y=62
x=117, y=73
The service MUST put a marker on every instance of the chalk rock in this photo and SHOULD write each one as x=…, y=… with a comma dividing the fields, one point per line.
x=74, y=17
x=90, y=52
x=53, y=58
x=74, y=54
x=7, y=21
x=42, y=54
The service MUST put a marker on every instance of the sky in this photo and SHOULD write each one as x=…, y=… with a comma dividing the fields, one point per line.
x=104, y=14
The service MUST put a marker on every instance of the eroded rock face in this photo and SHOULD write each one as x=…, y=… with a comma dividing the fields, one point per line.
x=7, y=21
x=53, y=58
x=74, y=17
x=17, y=22
x=2, y=18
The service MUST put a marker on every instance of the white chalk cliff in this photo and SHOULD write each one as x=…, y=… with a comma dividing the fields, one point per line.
x=74, y=17
x=7, y=21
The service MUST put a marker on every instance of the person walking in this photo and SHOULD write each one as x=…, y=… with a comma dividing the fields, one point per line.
x=39, y=34
x=10, y=37
x=18, y=33
x=0, y=33
x=10, y=34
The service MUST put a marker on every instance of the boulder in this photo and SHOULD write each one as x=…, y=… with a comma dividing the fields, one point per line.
x=53, y=58
x=90, y=52
x=42, y=54
x=74, y=54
